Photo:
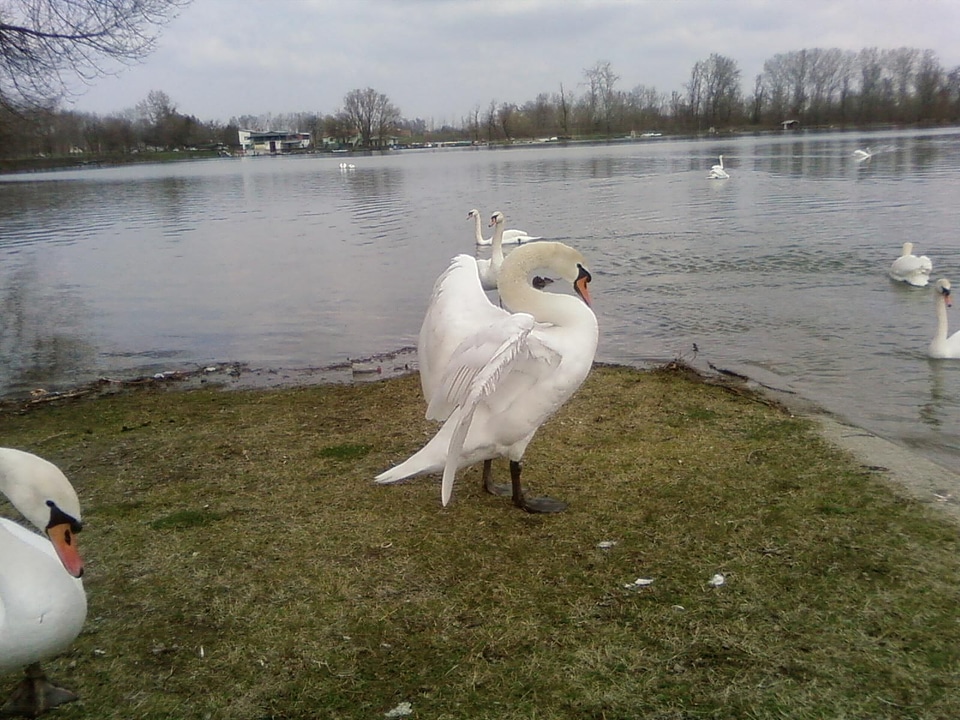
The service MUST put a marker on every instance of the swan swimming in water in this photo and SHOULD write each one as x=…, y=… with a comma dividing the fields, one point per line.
x=911, y=269
x=717, y=172
x=511, y=237
x=861, y=155
x=42, y=601
x=493, y=376
x=941, y=346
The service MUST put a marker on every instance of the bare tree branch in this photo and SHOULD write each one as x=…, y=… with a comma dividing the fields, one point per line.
x=45, y=42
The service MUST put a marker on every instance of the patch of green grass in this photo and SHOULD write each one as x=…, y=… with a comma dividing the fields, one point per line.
x=348, y=451
x=304, y=590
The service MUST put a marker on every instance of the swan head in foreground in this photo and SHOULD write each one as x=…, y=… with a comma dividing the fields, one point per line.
x=44, y=496
x=942, y=346
x=42, y=602
x=493, y=375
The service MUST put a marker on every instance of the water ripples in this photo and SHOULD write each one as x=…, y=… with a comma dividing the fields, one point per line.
x=779, y=270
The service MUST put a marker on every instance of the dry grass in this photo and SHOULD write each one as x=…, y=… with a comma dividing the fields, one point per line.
x=241, y=563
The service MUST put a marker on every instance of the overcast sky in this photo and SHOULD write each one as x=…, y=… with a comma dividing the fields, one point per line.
x=438, y=59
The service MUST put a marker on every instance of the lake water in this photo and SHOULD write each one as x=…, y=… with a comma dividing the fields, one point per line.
x=778, y=273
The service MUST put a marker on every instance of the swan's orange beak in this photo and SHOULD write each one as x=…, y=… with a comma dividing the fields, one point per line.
x=65, y=543
x=580, y=285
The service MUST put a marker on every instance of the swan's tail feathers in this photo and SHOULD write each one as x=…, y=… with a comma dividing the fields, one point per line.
x=410, y=467
x=453, y=454
x=428, y=459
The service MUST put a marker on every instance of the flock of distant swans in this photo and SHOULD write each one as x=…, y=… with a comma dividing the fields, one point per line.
x=491, y=374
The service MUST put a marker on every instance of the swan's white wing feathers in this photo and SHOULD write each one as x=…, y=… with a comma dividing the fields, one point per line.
x=457, y=305
x=911, y=269
x=492, y=366
x=483, y=354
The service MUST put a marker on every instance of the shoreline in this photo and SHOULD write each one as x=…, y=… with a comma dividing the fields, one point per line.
x=923, y=479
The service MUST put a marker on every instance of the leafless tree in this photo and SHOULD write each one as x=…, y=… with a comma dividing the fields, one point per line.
x=602, y=97
x=756, y=112
x=506, y=114
x=490, y=121
x=43, y=43
x=564, y=108
x=930, y=83
x=372, y=115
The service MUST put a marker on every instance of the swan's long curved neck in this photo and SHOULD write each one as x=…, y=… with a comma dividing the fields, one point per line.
x=942, y=323
x=496, y=250
x=519, y=295
x=479, y=227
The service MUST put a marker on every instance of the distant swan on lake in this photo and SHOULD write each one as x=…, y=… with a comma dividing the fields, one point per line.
x=717, y=172
x=861, y=155
x=911, y=269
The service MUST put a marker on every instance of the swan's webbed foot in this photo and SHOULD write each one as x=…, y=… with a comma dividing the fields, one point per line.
x=35, y=695
x=531, y=505
x=540, y=505
x=489, y=485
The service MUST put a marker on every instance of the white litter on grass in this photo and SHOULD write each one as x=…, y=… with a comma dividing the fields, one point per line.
x=717, y=580
x=606, y=544
x=639, y=583
x=401, y=710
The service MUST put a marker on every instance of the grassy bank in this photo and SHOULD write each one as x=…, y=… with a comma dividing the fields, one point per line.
x=241, y=563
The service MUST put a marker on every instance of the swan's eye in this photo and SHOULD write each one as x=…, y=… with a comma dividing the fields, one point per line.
x=59, y=517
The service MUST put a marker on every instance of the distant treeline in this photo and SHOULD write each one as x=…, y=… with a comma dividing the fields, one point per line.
x=812, y=88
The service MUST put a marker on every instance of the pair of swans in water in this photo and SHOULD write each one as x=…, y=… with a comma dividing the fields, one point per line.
x=493, y=376
x=913, y=270
x=42, y=601
x=717, y=172
x=511, y=236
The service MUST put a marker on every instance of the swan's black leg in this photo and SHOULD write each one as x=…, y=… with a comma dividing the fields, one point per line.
x=531, y=505
x=489, y=485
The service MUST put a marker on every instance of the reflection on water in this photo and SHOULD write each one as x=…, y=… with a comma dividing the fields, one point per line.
x=778, y=272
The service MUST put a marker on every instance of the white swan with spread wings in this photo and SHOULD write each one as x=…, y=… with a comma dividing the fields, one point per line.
x=493, y=376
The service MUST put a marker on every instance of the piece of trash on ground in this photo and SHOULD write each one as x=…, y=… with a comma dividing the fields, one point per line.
x=717, y=580
x=639, y=583
x=401, y=710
